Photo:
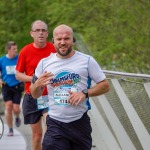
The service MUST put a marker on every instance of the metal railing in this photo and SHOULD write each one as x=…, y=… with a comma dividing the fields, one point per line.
x=121, y=117
x=124, y=74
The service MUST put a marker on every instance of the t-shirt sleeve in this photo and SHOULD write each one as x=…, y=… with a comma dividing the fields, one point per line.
x=39, y=69
x=38, y=72
x=21, y=61
x=95, y=71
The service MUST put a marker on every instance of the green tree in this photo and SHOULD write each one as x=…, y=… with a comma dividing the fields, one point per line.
x=116, y=32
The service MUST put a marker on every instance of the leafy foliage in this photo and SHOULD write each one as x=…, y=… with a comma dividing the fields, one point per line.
x=116, y=32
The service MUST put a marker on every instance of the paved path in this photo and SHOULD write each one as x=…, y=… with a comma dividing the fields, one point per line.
x=21, y=139
x=16, y=142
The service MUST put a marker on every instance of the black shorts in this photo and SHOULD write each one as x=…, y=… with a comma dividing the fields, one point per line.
x=75, y=135
x=30, y=111
x=10, y=93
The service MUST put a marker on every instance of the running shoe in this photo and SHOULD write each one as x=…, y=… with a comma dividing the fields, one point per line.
x=10, y=133
x=18, y=122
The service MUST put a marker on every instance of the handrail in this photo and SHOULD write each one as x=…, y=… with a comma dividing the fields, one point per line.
x=124, y=74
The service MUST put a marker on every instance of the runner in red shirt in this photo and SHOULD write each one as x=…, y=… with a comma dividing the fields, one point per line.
x=30, y=55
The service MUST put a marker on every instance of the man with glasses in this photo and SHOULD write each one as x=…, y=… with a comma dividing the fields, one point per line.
x=29, y=57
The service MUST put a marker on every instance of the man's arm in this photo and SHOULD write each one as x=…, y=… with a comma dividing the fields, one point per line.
x=99, y=89
x=23, y=77
x=36, y=90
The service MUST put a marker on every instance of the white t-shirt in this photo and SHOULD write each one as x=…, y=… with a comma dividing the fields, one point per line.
x=74, y=73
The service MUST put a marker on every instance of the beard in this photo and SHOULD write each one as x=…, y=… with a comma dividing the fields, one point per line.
x=64, y=53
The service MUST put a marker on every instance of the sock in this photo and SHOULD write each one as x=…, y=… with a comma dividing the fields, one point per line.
x=10, y=129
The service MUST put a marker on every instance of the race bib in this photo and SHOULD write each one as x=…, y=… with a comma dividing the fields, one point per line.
x=42, y=102
x=61, y=95
x=10, y=69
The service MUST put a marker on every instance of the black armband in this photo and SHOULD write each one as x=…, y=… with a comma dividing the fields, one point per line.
x=34, y=78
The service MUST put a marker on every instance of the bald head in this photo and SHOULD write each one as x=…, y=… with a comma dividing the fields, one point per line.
x=62, y=29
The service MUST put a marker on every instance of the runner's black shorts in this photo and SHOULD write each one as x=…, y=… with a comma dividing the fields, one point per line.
x=10, y=93
x=75, y=135
x=30, y=111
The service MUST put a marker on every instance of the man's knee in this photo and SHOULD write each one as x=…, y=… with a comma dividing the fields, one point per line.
x=16, y=108
x=37, y=137
x=9, y=108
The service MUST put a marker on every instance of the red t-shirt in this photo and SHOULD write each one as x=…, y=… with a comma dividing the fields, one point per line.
x=29, y=57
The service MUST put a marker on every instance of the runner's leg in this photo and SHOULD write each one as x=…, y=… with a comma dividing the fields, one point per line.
x=36, y=135
x=45, y=113
x=16, y=109
x=8, y=113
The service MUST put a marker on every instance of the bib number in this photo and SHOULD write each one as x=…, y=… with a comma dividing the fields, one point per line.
x=42, y=102
x=61, y=95
x=10, y=70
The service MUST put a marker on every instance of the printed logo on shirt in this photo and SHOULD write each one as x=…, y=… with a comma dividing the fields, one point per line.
x=65, y=78
x=62, y=83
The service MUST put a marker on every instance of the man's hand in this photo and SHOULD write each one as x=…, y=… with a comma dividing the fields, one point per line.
x=1, y=83
x=44, y=79
x=36, y=88
x=76, y=98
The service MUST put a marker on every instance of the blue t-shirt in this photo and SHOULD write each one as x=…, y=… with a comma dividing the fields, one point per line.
x=8, y=70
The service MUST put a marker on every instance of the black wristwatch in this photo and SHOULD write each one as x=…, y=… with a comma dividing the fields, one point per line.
x=85, y=91
x=34, y=78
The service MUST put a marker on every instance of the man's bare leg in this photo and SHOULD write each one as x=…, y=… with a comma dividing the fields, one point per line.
x=44, y=120
x=8, y=113
x=36, y=135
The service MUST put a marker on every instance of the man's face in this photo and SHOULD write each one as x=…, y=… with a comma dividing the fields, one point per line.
x=39, y=32
x=63, y=42
x=13, y=50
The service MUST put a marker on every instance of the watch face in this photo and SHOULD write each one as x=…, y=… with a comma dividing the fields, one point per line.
x=85, y=91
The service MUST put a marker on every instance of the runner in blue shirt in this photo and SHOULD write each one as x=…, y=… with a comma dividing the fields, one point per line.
x=11, y=87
